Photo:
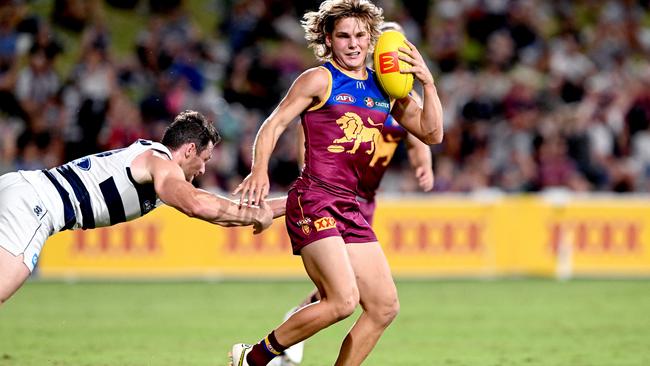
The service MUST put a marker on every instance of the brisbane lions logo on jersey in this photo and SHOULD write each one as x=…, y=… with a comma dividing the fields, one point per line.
x=356, y=132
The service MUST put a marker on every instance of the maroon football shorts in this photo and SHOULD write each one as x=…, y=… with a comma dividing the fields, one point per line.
x=315, y=213
x=367, y=209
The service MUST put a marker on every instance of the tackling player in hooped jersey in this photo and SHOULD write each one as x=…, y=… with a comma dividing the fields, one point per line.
x=342, y=112
x=112, y=187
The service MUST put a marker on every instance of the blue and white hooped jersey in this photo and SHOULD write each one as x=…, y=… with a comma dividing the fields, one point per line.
x=99, y=190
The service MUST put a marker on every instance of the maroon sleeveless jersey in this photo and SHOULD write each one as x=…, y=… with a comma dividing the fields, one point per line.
x=343, y=135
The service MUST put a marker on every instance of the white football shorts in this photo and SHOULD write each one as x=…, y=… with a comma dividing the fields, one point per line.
x=25, y=222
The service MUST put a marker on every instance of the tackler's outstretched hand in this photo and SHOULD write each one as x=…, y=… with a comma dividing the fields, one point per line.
x=265, y=219
x=418, y=67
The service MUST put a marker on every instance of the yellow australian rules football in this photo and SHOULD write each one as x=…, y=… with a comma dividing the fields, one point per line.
x=387, y=65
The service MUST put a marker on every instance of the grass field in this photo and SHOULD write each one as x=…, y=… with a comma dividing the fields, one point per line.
x=454, y=323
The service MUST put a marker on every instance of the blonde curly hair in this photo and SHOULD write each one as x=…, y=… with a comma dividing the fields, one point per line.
x=318, y=24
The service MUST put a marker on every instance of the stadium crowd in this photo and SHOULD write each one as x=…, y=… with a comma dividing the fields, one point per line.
x=536, y=94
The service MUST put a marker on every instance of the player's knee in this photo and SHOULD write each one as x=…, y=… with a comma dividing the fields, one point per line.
x=12, y=276
x=344, y=306
x=391, y=311
x=384, y=311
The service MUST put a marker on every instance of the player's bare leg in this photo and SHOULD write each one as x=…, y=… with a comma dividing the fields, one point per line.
x=328, y=265
x=13, y=273
x=378, y=300
x=293, y=355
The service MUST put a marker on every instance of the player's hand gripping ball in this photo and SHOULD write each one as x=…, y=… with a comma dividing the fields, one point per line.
x=388, y=65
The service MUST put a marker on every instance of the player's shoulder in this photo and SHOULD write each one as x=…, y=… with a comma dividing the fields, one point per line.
x=315, y=76
x=151, y=148
x=311, y=82
x=151, y=157
x=151, y=151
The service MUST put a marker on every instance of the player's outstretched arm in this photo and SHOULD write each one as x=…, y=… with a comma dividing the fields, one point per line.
x=424, y=122
x=172, y=188
x=278, y=206
x=303, y=93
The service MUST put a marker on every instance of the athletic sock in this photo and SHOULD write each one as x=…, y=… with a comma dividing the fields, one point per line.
x=263, y=352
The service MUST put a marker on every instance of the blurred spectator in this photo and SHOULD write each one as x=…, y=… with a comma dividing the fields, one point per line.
x=95, y=81
x=536, y=94
x=74, y=15
x=123, y=124
x=37, y=83
x=11, y=44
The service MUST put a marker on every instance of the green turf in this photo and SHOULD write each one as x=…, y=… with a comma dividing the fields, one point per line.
x=454, y=323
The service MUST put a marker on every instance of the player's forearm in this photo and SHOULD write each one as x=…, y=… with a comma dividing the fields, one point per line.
x=278, y=206
x=419, y=154
x=431, y=118
x=264, y=144
x=222, y=211
x=232, y=214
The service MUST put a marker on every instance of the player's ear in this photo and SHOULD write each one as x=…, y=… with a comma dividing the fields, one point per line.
x=328, y=40
x=190, y=149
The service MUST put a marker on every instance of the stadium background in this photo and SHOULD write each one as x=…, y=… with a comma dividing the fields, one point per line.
x=543, y=172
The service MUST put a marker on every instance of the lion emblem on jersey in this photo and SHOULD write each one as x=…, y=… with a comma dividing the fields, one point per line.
x=355, y=131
